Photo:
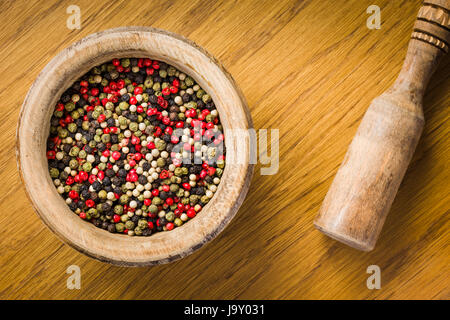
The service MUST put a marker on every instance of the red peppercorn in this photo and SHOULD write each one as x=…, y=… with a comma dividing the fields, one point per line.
x=150, y=225
x=106, y=153
x=90, y=203
x=132, y=163
x=147, y=202
x=138, y=90
x=168, y=130
x=116, y=155
x=82, y=215
x=116, y=218
x=166, y=91
x=203, y=174
x=70, y=180
x=147, y=62
x=92, y=178
x=151, y=145
x=155, y=192
x=166, y=188
x=157, y=131
x=51, y=154
x=135, y=140
x=116, y=62
x=83, y=175
x=186, y=186
x=133, y=100
x=169, y=226
x=101, y=118
x=174, y=139
x=211, y=171
x=191, y=213
x=101, y=174
x=166, y=120
x=73, y=194
x=140, y=109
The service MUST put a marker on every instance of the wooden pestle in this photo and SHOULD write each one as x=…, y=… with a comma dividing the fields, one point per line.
x=365, y=185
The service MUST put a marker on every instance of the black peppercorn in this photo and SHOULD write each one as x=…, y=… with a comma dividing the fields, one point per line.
x=112, y=228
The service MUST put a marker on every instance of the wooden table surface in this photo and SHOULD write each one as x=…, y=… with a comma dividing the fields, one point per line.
x=307, y=68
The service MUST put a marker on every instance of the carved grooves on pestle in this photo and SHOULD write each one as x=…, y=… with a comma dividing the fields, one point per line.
x=432, y=26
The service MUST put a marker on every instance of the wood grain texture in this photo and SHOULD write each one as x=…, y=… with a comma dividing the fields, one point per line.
x=308, y=68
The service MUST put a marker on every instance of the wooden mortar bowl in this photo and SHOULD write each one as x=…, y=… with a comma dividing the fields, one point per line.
x=33, y=131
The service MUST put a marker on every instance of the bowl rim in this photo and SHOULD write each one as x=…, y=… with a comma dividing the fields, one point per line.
x=246, y=168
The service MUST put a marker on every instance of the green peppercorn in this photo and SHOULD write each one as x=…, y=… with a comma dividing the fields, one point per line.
x=142, y=224
x=93, y=213
x=178, y=171
x=74, y=151
x=106, y=138
x=129, y=224
x=54, y=173
x=72, y=127
x=69, y=106
x=85, y=125
x=133, y=126
x=118, y=209
x=206, y=98
x=153, y=208
x=73, y=164
x=189, y=81
x=82, y=154
x=102, y=194
x=120, y=227
x=161, y=162
x=193, y=199
x=63, y=133
x=157, y=201
x=220, y=164
x=137, y=231
x=180, y=193
x=125, y=62
x=123, y=105
x=170, y=216
x=87, y=166
x=161, y=145
x=178, y=222
x=148, y=82
x=123, y=199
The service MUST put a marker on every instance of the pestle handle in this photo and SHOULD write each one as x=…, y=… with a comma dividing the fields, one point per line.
x=362, y=192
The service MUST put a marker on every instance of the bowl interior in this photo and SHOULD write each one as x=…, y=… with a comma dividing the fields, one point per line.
x=33, y=132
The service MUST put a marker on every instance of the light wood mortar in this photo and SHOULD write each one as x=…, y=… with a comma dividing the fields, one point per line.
x=33, y=130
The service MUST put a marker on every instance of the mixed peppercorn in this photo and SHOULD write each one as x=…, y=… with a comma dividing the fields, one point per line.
x=136, y=147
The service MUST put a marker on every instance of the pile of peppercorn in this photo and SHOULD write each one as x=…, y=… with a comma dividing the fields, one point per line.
x=136, y=147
